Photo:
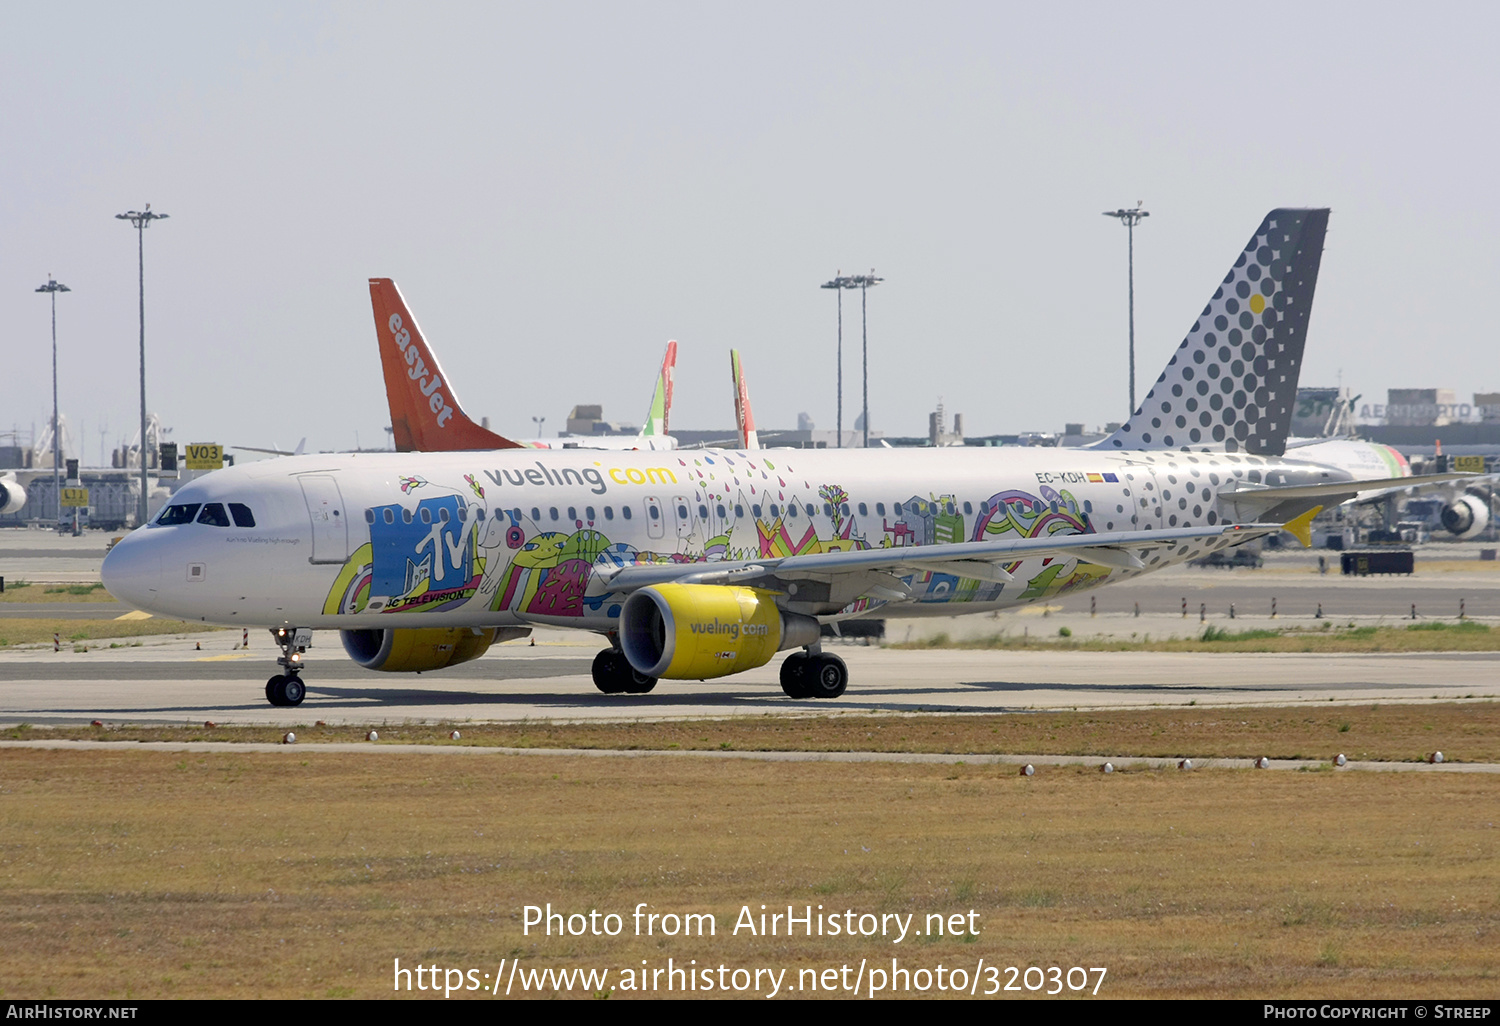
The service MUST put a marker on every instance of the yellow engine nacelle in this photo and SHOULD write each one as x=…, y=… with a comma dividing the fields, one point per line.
x=699, y=631
x=408, y=649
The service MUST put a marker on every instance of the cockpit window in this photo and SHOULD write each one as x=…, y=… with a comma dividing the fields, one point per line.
x=174, y=515
x=213, y=515
x=242, y=515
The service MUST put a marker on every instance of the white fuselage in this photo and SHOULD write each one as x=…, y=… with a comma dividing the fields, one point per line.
x=475, y=539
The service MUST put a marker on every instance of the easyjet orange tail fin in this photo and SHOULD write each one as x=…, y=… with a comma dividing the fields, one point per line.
x=425, y=415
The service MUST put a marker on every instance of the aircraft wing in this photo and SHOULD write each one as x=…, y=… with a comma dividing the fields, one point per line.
x=876, y=572
x=1333, y=489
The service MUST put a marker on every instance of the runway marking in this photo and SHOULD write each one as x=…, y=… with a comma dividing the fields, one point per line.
x=134, y=614
x=225, y=657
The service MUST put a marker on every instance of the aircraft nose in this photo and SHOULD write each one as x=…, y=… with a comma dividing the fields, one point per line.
x=132, y=572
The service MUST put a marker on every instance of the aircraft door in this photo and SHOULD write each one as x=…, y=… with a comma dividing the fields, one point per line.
x=330, y=521
x=683, y=514
x=1144, y=498
x=655, y=523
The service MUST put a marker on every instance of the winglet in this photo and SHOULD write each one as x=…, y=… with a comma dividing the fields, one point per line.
x=744, y=417
x=661, y=400
x=425, y=415
x=1301, y=527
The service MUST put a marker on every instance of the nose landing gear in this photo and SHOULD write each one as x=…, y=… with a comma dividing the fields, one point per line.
x=287, y=688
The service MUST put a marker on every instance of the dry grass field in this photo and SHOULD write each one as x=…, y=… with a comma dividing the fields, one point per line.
x=23, y=592
x=304, y=874
x=1463, y=731
x=1428, y=636
x=88, y=633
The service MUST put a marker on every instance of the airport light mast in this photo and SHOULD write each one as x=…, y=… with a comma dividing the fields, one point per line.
x=863, y=282
x=54, y=287
x=141, y=220
x=1130, y=218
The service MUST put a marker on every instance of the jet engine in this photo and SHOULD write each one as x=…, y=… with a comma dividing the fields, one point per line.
x=408, y=649
x=700, y=631
x=1466, y=517
x=12, y=495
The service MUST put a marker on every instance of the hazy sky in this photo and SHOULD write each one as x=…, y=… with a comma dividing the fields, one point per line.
x=558, y=189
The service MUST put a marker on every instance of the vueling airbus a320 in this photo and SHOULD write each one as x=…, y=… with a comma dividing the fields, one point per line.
x=696, y=565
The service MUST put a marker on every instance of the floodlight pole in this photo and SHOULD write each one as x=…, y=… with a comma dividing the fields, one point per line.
x=838, y=284
x=862, y=282
x=1130, y=218
x=141, y=220
x=54, y=287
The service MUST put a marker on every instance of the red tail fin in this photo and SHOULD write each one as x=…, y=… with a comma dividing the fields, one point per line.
x=425, y=415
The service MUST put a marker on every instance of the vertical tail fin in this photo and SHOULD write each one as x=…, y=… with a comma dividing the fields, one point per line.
x=744, y=417
x=661, y=400
x=425, y=415
x=1232, y=383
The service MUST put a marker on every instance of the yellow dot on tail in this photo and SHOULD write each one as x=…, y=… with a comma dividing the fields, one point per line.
x=1257, y=303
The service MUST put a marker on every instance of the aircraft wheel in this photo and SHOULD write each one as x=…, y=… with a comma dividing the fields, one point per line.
x=288, y=690
x=794, y=673
x=606, y=672
x=637, y=683
x=829, y=677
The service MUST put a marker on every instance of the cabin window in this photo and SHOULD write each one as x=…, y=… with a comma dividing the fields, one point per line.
x=442, y=515
x=463, y=514
x=572, y=513
x=864, y=510
x=720, y=510
x=791, y=509
x=739, y=510
x=655, y=512
x=426, y=515
x=682, y=513
x=968, y=509
x=609, y=512
x=369, y=516
x=880, y=508
x=589, y=513
x=775, y=511
x=827, y=509
x=536, y=514
x=756, y=510
x=702, y=511
x=845, y=509
x=406, y=516
x=213, y=515
x=949, y=508
x=625, y=512
x=896, y=508
x=552, y=512
x=174, y=515
x=390, y=516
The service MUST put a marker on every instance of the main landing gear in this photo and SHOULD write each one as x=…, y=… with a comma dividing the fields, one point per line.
x=287, y=688
x=814, y=674
x=614, y=675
